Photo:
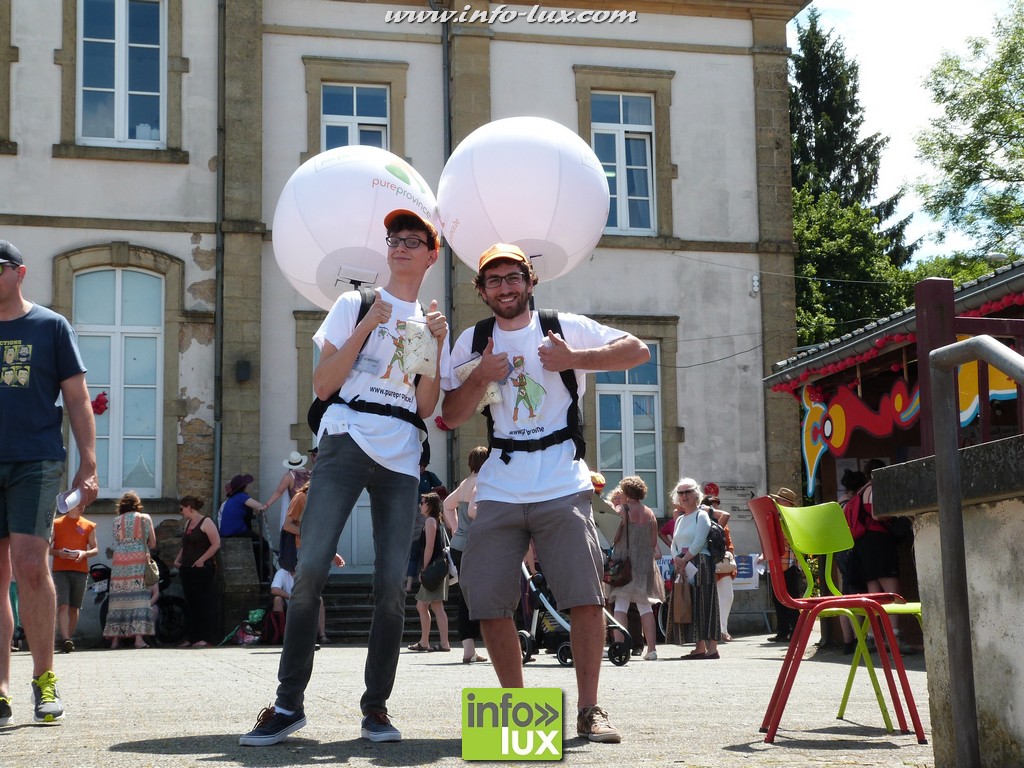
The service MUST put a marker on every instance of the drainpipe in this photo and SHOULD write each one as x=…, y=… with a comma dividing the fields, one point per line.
x=449, y=270
x=218, y=311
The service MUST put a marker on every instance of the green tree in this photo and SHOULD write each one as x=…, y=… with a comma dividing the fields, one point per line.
x=960, y=268
x=826, y=120
x=977, y=143
x=844, y=278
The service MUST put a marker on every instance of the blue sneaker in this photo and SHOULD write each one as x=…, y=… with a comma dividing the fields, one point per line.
x=271, y=727
x=377, y=726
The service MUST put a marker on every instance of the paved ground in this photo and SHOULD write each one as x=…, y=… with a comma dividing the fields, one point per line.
x=174, y=708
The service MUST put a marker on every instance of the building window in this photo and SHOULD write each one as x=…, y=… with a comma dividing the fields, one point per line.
x=122, y=66
x=118, y=316
x=354, y=114
x=354, y=101
x=629, y=425
x=625, y=112
x=622, y=134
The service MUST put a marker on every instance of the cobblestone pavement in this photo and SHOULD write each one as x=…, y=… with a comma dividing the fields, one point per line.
x=170, y=708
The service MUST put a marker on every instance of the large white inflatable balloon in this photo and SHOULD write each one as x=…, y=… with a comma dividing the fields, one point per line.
x=528, y=181
x=329, y=222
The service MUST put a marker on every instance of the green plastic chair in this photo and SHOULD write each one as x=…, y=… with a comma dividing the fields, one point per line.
x=821, y=529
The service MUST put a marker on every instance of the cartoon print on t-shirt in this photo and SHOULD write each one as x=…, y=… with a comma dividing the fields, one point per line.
x=399, y=357
x=528, y=390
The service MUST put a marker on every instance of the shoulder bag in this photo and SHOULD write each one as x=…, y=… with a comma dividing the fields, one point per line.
x=619, y=571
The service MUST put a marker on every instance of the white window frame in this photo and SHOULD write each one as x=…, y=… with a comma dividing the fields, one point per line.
x=118, y=334
x=621, y=133
x=357, y=123
x=121, y=92
x=626, y=391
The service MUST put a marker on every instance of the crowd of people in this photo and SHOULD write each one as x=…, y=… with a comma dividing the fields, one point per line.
x=535, y=361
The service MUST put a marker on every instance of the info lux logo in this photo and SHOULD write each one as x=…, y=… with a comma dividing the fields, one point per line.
x=511, y=723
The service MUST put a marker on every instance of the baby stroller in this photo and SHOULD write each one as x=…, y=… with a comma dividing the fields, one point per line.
x=549, y=629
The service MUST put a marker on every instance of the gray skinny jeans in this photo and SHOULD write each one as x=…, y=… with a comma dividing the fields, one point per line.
x=341, y=473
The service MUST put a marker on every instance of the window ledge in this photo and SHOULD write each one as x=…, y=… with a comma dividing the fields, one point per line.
x=8, y=147
x=665, y=243
x=79, y=152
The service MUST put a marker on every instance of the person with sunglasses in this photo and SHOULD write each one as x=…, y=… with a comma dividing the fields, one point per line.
x=369, y=439
x=690, y=545
x=538, y=484
x=32, y=459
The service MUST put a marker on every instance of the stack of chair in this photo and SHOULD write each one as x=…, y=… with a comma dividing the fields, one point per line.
x=821, y=529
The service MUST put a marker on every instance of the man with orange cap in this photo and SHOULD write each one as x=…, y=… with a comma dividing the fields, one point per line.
x=535, y=484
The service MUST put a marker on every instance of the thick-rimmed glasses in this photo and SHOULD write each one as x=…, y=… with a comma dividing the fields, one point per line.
x=410, y=242
x=513, y=280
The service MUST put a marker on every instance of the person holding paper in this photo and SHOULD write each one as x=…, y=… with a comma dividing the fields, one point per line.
x=32, y=463
x=369, y=439
x=72, y=544
x=689, y=551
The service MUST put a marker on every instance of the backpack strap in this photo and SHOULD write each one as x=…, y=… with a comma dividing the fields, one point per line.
x=573, y=430
x=367, y=295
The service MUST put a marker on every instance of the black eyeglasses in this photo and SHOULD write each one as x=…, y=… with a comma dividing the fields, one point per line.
x=685, y=491
x=410, y=242
x=513, y=280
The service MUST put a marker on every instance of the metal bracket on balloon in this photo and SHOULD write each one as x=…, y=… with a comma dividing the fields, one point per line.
x=355, y=276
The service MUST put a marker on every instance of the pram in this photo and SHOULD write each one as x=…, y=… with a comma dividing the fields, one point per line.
x=549, y=629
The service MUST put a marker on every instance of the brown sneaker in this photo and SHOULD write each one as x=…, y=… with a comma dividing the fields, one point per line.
x=592, y=723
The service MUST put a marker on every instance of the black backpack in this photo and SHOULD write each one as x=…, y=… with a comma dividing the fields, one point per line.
x=716, y=538
x=317, y=409
x=573, y=430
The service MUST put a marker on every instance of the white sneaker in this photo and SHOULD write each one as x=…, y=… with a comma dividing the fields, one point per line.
x=651, y=656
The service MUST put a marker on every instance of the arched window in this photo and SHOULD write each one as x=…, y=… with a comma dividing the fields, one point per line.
x=118, y=315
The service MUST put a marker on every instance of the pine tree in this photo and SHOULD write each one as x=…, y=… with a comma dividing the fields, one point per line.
x=835, y=174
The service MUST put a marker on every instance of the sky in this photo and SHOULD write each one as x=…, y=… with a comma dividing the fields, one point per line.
x=896, y=43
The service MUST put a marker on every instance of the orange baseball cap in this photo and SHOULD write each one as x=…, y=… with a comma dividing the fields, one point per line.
x=406, y=212
x=500, y=251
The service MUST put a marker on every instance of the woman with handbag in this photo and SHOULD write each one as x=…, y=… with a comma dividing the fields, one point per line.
x=690, y=545
x=637, y=543
x=432, y=600
x=129, y=613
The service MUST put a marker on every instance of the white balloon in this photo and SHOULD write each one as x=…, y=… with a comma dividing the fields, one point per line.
x=329, y=223
x=528, y=181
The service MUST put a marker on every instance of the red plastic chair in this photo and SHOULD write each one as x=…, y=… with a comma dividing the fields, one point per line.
x=769, y=528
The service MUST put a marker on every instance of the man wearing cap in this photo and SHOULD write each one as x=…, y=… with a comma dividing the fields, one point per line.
x=32, y=459
x=538, y=485
x=369, y=439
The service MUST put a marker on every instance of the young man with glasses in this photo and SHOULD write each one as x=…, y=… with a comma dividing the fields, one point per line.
x=369, y=438
x=538, y=486
x=32, y=459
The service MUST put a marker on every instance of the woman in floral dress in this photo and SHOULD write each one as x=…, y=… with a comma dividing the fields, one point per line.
x=129, y=613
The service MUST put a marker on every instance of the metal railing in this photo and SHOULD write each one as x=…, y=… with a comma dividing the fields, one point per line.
x=945, y=419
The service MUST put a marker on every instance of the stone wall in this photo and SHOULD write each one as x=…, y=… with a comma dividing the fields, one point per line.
x=992, y=476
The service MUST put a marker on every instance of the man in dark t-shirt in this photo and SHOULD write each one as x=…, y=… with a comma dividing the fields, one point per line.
x=32, y=458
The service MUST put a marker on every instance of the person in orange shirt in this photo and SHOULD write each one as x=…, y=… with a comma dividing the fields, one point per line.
x=72, y=544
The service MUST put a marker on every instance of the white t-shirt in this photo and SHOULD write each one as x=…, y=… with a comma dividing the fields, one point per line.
x=534, y=403
x=378, y=376
x=284, y=581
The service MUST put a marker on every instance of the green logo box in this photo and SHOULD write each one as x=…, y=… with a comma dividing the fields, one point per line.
x=511, y=723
